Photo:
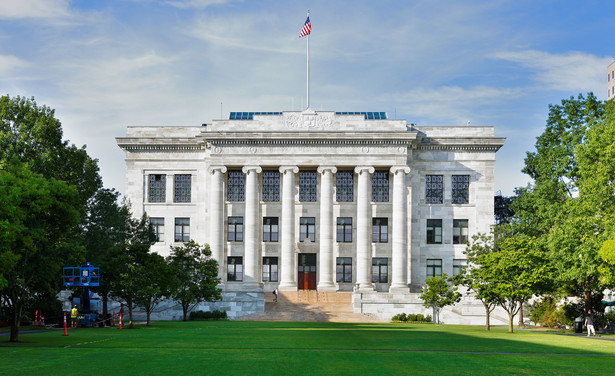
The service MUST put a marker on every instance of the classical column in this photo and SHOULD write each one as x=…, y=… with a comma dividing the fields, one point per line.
x=216, y=217
x=287, y=229
x=399, y=267
x=325, y=281
x=364, y=221
x=252, y=276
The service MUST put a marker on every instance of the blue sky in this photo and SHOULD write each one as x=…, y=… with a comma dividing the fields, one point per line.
x=105, y=65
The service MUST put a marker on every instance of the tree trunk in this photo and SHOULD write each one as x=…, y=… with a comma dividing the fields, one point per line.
x=129, y=303
x=147, y=313
x=185, y=311
x=587, y=297
x=511, y=317
x=105, y=300
x=487, y=316
x=16, y=322
x=521, y=315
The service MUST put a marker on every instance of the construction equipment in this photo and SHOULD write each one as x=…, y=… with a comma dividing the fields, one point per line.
x=84, y=276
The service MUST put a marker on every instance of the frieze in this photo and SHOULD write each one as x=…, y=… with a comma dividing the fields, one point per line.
x=300, y=149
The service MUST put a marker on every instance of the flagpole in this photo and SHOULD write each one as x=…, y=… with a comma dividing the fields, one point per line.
x=308, y=66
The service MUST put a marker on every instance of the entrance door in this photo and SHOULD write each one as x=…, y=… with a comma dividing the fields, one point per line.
x=307, y=271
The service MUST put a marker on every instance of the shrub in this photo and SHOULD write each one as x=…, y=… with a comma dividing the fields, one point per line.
x=420, y=317
x=411, y=317
x=208, y=315
x=399, y=317
x=428, y=318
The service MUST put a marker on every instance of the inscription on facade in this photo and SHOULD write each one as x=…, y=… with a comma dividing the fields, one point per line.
x=309, y=121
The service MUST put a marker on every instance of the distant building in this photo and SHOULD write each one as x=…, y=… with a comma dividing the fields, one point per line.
x=610, y=79
x=342, y=202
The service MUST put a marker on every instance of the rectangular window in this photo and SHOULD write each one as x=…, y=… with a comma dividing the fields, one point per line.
x=234, y=269
x=307, y=186
x=235, y=229
x=380, y=186
x=434, y=188
x=271, y=186
x=158, y=225
x=343, y=270
x=434, y=268
x=380, y=270
x=380, y=230
x=434, y=231
x=270, y=269
x=461, y=189
x=182, y=229
x=344, y=186
x=235, y=185
x=307, y=228
x=344, y=229
x=157, y=188
x=460, y=231
x=270, y=229
x=182, y=188
x=458, y=265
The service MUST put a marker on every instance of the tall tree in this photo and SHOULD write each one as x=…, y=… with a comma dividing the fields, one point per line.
x=130, y=256
x=477, y=279
x=196, y=275
x=104, y=228
x=37, y=223
x=558, y=209
x=439, y=293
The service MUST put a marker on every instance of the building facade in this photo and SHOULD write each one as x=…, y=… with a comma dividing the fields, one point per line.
x=317, y=200
x=610, y=81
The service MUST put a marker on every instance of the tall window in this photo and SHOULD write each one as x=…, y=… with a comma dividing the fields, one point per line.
x=235, y=185
x=270, y=269
x=234, y=269
x=270, y=229
x=344, y=229
x=182, y=188
x=380, y=186
x=307, y=228
x=344, y=186
x=458, y=265
x=434, y=231
x=271, y=186
x=235, y=229
x=343, y=270
x=307, y=186
x=380, y=230
x=434, y=268
x=461, y=189
x=380, y=270
x=460, y=231
x=434, y=188
x=157, y=188
x=182, y=229
x=158, y=225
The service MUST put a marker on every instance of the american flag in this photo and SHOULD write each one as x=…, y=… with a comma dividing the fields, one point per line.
x=307, y=27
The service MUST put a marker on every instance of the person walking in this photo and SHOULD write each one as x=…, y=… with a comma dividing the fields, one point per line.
x=589, y=322
x=275, y=295
x=73, y=317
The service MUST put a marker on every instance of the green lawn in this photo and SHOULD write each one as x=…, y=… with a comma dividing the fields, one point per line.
x=302, y=348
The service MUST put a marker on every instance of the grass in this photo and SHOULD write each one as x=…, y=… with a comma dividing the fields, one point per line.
x=303, y=348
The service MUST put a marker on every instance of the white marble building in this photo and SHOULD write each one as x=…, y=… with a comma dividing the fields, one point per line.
x=320, y=200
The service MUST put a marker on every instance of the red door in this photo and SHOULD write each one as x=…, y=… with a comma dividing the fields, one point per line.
x=307, y=271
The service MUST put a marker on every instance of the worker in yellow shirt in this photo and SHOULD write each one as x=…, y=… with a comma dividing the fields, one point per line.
x=73, y=317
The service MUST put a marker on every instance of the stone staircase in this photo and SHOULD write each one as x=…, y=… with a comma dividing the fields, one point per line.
x=309, y=305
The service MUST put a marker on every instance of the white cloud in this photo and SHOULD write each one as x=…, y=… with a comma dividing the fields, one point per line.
x=571, y=71
x=8, y=63
x=20, y=9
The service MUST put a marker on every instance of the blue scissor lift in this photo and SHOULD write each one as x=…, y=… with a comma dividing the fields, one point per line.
x=84, y=276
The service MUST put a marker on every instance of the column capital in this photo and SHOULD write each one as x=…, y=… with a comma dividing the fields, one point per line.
x=213, y=169
x=322, y=169
x=294, y=169
x=396, y=169
x=245, y=169
x=361, y=169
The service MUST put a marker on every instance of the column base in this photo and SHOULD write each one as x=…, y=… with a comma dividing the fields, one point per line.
x=360, y=287
x=326, y=286
x=399, y=288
